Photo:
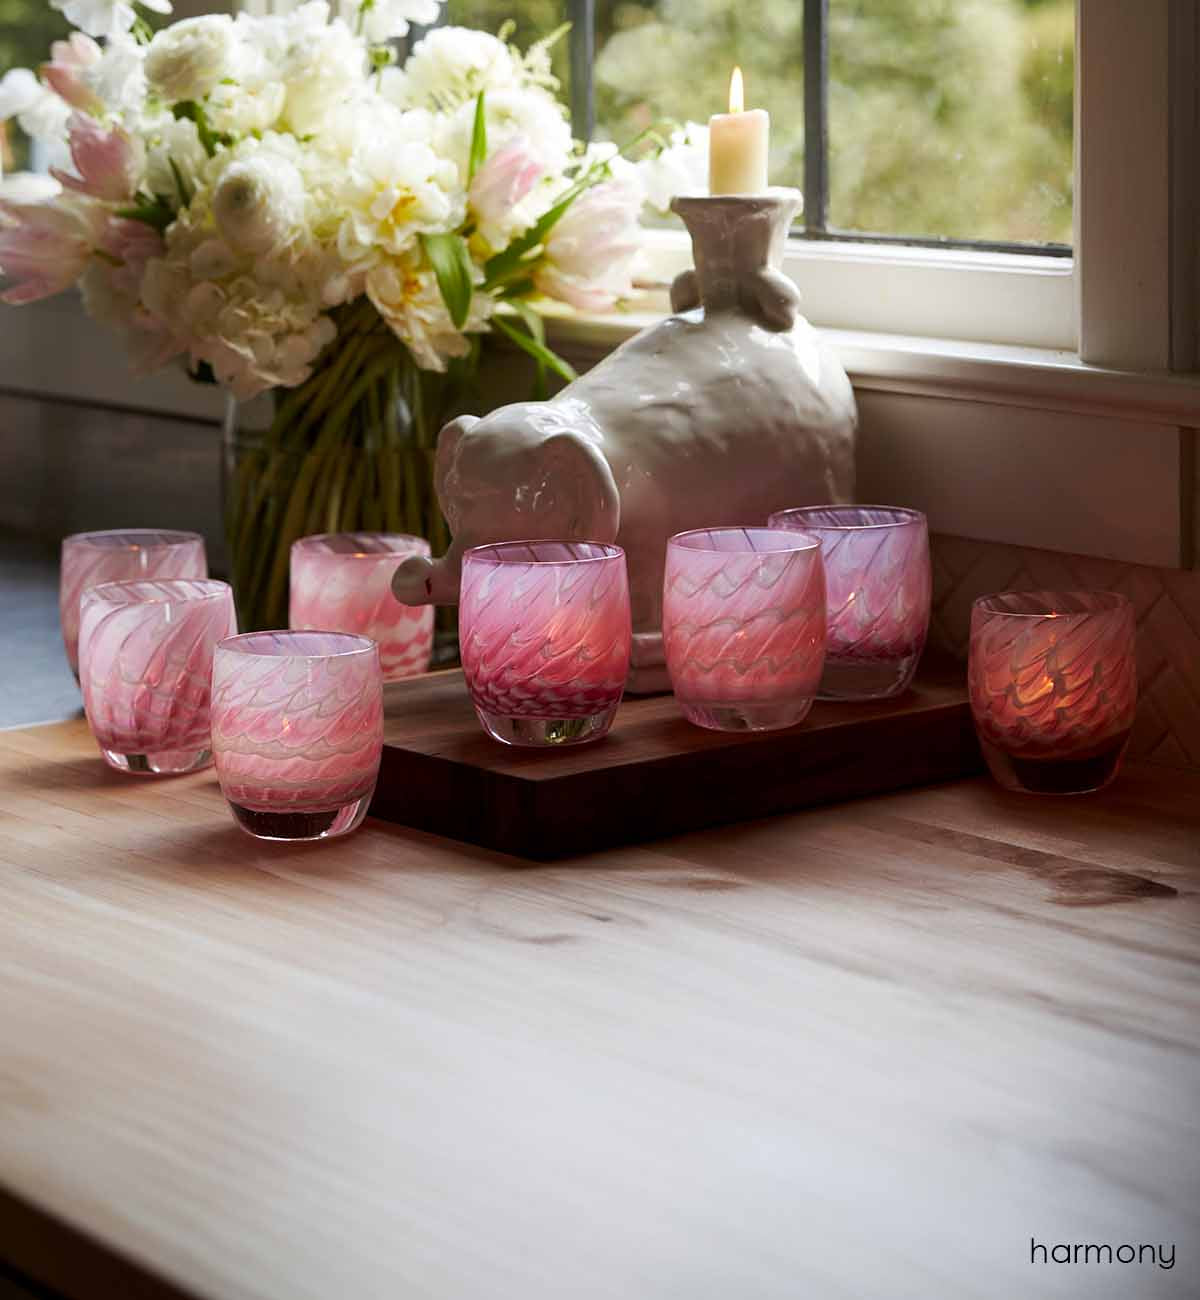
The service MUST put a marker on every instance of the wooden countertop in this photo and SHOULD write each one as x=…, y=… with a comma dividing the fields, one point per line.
x=863, y=1051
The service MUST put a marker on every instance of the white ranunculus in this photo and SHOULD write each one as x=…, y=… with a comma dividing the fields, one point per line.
x=190, y=58
x=105, y=17
x=259, y=203
x=384, y=20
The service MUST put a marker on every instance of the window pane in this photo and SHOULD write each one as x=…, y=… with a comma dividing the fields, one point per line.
x=665, y=62
x=952, y=118
x=26, y=29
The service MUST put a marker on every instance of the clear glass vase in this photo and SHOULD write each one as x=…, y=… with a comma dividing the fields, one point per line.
x=350, y=450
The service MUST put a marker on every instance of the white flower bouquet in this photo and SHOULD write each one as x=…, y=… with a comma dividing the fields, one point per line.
x=275, y=202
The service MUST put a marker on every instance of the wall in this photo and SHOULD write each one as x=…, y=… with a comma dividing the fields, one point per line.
x=67, y=467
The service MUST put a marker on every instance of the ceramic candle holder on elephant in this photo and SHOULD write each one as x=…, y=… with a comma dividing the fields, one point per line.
x=878, y=587
x=744, y=626
x=727, y=410
x=297, y=727
x=342, y=582
x=1052, y=678
x=544, y=634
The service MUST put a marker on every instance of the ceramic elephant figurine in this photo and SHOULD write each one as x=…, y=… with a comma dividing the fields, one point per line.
x=719, y=414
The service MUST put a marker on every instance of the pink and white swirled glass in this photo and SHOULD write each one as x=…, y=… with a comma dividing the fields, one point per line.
x=744, y=626
x=88, y=559
x=145, y=666
x=544, y=631
x=1053, y=685
x=342, y=582
x=878, y=587
x=297, y=725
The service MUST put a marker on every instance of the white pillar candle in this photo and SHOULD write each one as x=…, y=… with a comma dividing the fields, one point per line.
x=738, y=142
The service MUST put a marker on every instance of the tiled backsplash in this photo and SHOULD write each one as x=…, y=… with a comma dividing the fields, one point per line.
x=67, y=468
x=1166, y=601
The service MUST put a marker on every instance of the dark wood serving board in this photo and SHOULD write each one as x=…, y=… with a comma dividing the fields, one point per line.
x=654, y=774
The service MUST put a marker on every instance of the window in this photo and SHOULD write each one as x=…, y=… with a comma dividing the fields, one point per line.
x=918, y=120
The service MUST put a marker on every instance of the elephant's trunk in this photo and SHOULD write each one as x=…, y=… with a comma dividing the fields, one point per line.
x=419, y=581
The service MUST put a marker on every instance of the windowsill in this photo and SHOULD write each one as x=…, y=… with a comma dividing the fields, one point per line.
x=1053, y=379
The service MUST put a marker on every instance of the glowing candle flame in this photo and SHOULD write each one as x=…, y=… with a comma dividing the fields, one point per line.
x=737, y=98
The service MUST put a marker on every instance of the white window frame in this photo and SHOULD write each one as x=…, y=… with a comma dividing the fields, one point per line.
x=1090, y=335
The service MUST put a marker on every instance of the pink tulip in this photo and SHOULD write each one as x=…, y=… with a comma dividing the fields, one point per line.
x=592, y=249
x=65, y=73
x=502, y=182
x=109, y=163
x=44, y=247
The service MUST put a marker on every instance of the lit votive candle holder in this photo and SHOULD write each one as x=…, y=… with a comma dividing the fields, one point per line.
x=544, y=632
x=878, y=588
x=88, y=559
x=145, y=666
x=1053, y=686
x=341, y=582
x=744, y=626
x=297, y=724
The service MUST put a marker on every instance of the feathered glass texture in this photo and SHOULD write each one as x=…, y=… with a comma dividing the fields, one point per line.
x=145, y=666
x=342, y=582
x=545, y=635
x=878, y=588
x=88, y=559
x=1053, y=686
x=297, y=722
x=744, y=626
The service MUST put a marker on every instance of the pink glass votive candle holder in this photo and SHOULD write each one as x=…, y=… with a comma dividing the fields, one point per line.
x=145, y=666
x=1053, y=685
x=88, y=559
x=878, y=587
x=545, y=634
x=744, y=626
x=342, y=582
x=297, y=721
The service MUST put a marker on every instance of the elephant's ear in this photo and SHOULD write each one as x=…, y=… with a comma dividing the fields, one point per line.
x=581, y=487
x=447, y=450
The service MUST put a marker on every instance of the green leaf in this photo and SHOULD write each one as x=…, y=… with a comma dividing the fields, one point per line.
x=185, y=193
x=210, y=139
x=451, y=262
x=512, y=260
x=532, y=318
x=538, y=351
x=155, y=212
x=478, y=139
